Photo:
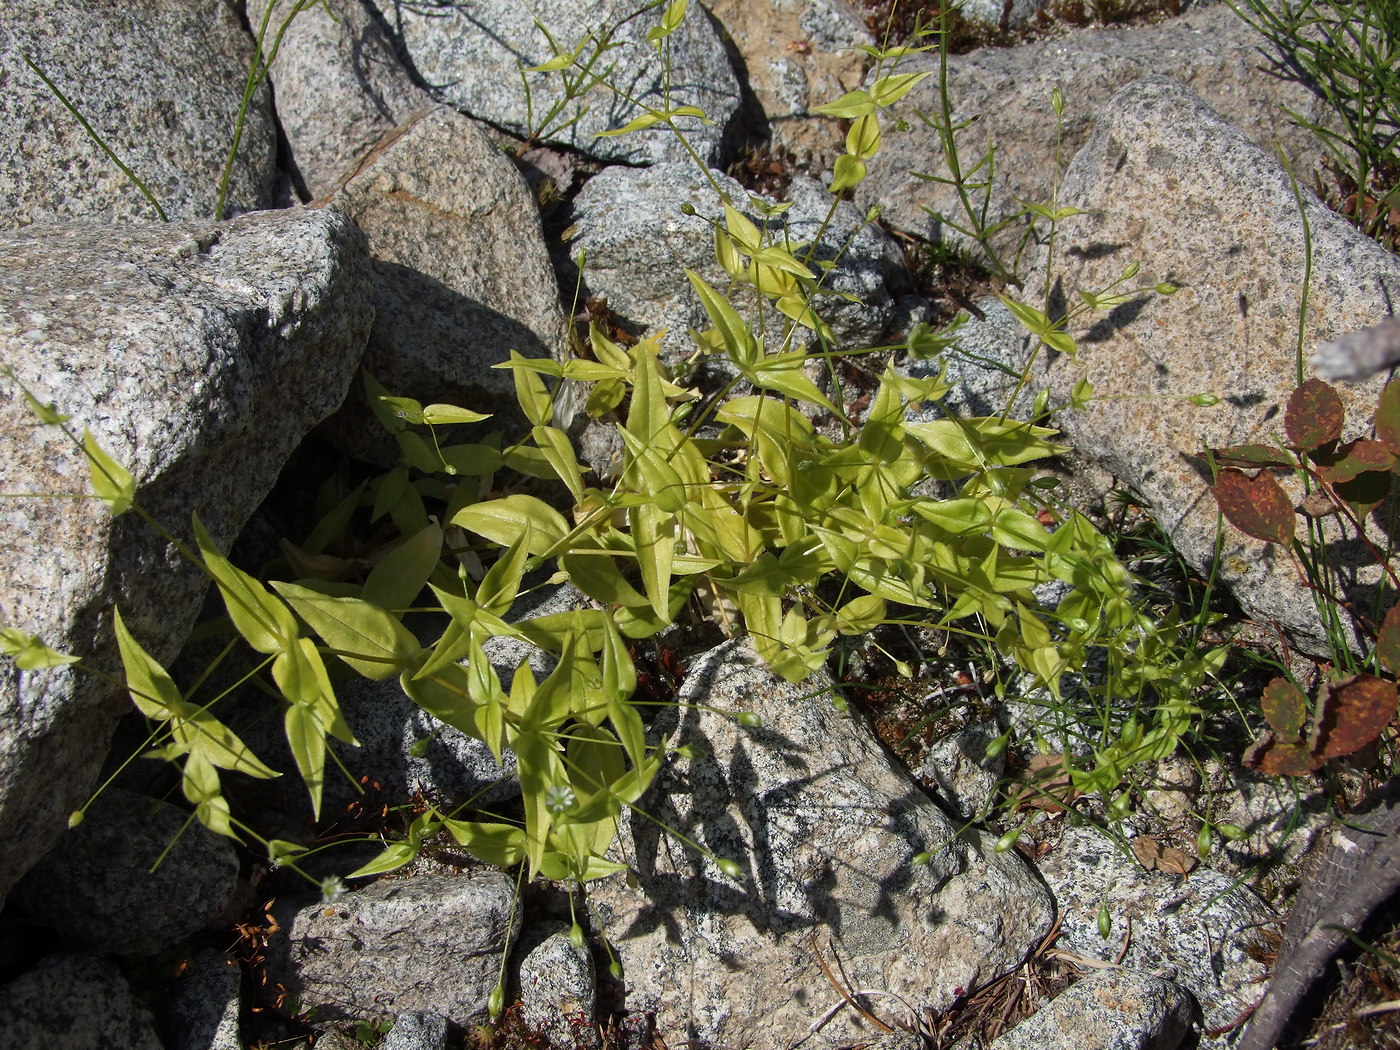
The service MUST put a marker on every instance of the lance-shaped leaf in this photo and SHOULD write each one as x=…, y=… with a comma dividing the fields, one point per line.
x=738, y=340
x=265, y=623
x=1314, y=415
x=540, y=769
x=366, y=637
x=396, y=581
x=1252, y=456
x=649, y=471
x=152, y=689
x=112, y=483
x=1256, y=506
x=558, y=450
x=301, y=676
x=654, y=533
x=308, y=744
x=500, y=844
x=446, y=695
x=29, y=652
x=599, y=577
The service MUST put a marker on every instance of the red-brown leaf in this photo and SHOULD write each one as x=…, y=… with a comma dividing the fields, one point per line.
x=1256, y=506
x=1314, y=415
x=1270, y=755
x=1351, y=714
x=1358, y=457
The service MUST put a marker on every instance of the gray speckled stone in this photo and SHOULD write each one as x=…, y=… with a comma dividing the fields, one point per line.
x=1195, y=932
x=638, y=244
x=469, y=53
x=200, y=1010
x=962, y=777
x=461, y=275
x=198, y=355
x=340, y=88
x=825, y=828
x=97, y=889
x=1173, y=186
x=1108, y=1010
x=159, y=82
x=433, y=942
x=1211, y=50
x=74, y=1002
x=558, y=992
x=417, y=1030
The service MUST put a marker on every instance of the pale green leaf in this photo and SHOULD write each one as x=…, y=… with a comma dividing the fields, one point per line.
x=111, y=482
x=366, y=637
x=502, y=845
x=646, y=120
x=301, y=677
x=504, y=520
x=850, y=106
x=152, y=689
x=654, y=533
x=848, y=171
x=531, y=392
x=396, y=581
x=29, y=653
x=863, y=138
x=738, y=340
x=889, y=90
x=221, y=746
x=393, y=857
x=559, y=451
x=308, y=744
x=444, y=414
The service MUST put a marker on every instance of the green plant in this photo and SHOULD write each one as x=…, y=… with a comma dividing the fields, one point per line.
x=734, y=509
x=1348, y=51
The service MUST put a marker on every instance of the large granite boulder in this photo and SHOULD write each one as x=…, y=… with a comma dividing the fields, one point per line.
x=1205, y=933
x=75, y=1002
x=1113, y=1009
x=461, y=274
x=637, y=244
x=434, y=942
x=469, y=54
x=160, y=83
x=826, y=830
x=132, y=879
x=340, y=88
x=1167, y=183
x=1008, y=90
x=796, y=54
x=198, y=355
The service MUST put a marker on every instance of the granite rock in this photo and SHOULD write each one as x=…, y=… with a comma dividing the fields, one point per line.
x=101, y=888
x=198, y=355
x=160, y=83
x=469, y=54
x=1170, y=185
x=826, y=830
x=432, y=942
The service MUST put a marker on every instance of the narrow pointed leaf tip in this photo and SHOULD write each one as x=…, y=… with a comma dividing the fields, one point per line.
x=111, y=482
